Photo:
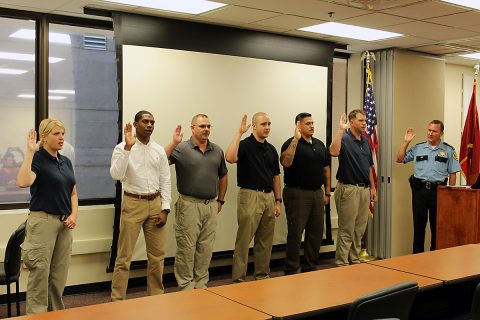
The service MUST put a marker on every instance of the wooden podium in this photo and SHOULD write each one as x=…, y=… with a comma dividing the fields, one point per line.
x=458, y=216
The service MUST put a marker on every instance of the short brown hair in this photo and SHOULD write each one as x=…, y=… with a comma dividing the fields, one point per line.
x=353, y=114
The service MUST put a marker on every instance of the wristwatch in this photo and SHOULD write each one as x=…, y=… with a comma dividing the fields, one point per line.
x=278, y=200
x=222, y=202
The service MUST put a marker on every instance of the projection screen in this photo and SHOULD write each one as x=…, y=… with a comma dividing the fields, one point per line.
x=175, y=85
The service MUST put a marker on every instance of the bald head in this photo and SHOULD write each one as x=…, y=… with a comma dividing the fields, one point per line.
x=261, y=125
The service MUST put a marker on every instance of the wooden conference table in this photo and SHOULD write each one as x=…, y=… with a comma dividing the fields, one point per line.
x=193, y=304
x=451, y=264
x=316, y=292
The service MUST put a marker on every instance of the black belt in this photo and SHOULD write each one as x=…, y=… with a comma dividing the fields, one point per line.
x=429, y=185
x=305, y=188
x=361, y=184
x=264, y=190
x=148, y=197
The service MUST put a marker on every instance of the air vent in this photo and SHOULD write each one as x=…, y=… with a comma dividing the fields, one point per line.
x=95, y=42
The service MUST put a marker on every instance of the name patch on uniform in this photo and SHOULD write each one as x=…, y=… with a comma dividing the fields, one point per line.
x=422, y=158
x=441, y=159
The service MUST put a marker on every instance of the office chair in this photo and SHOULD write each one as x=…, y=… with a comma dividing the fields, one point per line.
x=475, y=311
x=10, y=268
x=392, y=302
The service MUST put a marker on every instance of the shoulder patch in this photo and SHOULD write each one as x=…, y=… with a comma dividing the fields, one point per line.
x=455, y=155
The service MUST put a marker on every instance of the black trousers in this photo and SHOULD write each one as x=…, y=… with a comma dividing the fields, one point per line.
x=424, y=206
x=305, y=210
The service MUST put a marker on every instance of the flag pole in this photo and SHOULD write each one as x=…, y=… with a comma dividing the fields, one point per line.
x=364, y=256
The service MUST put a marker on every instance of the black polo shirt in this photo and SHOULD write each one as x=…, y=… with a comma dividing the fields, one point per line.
x=307, y=169
x=355, y=160
x=257, y=164
x=52, y=189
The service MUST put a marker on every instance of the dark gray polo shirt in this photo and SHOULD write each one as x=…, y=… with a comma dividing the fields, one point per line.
x=198, y=172
x=355, y=160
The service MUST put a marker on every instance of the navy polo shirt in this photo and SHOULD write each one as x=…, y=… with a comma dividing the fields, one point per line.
x=257, y=164
x=307, y=169
x=52, y=189
x=355, y=160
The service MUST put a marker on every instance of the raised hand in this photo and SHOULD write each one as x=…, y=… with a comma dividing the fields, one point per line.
x=130, y=137
x=296, y=133
x=32, y=144
x=343, y=122
x=243, y=125
x=409, y=135
x=177, y=135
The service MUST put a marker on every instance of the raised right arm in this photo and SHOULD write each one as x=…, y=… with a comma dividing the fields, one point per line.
x=26, y=176
x=231, y=155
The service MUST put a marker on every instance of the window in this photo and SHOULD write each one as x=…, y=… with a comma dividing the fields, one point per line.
x=17, y=103
x=83, y=95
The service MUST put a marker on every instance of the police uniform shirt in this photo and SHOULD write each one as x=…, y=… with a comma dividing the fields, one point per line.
x=433, y=164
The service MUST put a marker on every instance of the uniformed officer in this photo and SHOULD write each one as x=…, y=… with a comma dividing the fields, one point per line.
x=434, y=161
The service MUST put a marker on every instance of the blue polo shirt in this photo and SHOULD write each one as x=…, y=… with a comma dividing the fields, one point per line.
x=355, y=160
x=52, y=189
x=433, y=164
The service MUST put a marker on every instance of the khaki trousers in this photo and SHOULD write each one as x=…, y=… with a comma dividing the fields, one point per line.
x=46, y=252
x=138, y=213
x=195, y=225
x=352, y=207
x=256, y=219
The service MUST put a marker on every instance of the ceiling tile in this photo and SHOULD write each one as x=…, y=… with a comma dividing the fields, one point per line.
x=425, y=10
x=306, y=8
x=406, y=42
x=472, y=42
x=475, y=28
x=46, y=6
x=288, y=22
x=458, y=20
x=239, y=14
x=448, y=34
x=375, y=20
x=415, y=28
x=375, y=4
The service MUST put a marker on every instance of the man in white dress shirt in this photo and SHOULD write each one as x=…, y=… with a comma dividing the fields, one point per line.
x=141, y=165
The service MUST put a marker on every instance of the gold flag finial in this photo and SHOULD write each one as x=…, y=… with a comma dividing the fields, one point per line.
x=367, y=55
x=476, y=68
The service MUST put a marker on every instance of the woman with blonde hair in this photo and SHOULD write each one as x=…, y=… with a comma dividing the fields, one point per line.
x=53, y=214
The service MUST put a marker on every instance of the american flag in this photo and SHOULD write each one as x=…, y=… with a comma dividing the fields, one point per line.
x=371, y=132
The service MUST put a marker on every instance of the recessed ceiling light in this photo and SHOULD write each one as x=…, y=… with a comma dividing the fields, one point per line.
x=349, y=31
x=60, y=91
x=31, y=96
x=12, y=71
x=475, y=4
x=53, y=37
x=183, y=6
x=25, y=57
x=471, y=55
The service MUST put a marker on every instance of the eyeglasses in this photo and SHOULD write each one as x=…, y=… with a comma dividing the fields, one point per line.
x=203, y=126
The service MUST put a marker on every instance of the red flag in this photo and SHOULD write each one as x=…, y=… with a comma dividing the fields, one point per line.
x=470, y=146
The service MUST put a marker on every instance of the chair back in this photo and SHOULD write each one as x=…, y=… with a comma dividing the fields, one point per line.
x=476, y=303
x=13, y=254
x=393, y=302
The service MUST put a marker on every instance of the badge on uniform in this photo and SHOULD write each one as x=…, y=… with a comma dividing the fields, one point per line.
x=442, y=153
x=422, y=158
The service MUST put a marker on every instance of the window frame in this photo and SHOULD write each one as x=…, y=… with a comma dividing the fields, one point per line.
x=42, y=22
